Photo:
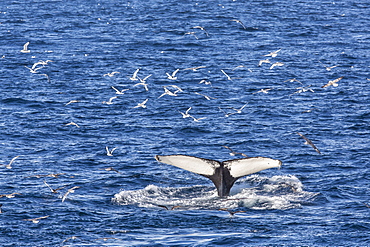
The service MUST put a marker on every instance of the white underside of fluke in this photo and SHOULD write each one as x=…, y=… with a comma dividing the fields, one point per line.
x=238, y=167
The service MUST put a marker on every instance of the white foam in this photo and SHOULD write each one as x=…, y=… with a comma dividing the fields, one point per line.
x=254, y=192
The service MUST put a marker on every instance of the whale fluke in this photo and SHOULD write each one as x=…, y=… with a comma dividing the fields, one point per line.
x=222, y=174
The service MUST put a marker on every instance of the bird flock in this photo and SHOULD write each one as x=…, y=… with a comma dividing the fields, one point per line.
x=172, y=89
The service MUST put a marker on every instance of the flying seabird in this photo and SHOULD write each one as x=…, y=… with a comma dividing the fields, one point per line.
x=73, y=238
x=333, y=82
x=142, y=104
x=25, y=48
x=72, y=123
x=197, y=119
x=37, y=220
x=9, y=166
x=240, y=22
x=303, y=89
x=309, y=142
x=276, y=64
x=222, y=174
x=142, y=83
x=34, y=71
x=72, y=101
x=111, y=169
x=272, y=54
x=12, y=195
x=145, y=78
x=203, y=29
x=294, y=80
x=111, y=74
x=328, y=68
x=120, y=91
x=233, y=153
x=110, y=101
x=170, y=93
x=134, y=76
x=53, y=190
x=54, y=175
x=263, y=61
x=47, y=76
x=110, y=152
x=228, y=77
x=240, y=109
x=41, y=62
x=173, y=75
x=263, y=90
x=191, y=33
x=71, y=190
x=226, y=114
x=195, y=68
x=186, y=114
x=205, y=96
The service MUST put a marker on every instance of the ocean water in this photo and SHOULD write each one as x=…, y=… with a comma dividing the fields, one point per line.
x=313, y=200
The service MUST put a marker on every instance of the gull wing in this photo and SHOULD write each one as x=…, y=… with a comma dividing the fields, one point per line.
x=242, y=167
x=196, y=165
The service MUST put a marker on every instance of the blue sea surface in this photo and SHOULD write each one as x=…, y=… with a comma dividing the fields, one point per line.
x=55, y=128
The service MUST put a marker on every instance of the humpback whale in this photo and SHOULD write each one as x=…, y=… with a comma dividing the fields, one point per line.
x=222, y=174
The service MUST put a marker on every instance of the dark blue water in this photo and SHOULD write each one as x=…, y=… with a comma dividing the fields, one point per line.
x=313, y=200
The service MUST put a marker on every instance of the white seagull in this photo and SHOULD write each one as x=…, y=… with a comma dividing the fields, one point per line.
x=328, y=68
x=272, y=54
x=226, y=114
x=9, y=166
x=71, y=190
x=186, y=114
x=144, y=84
x=240, y=109
x=191, y=33
x=202, y=28
x=142, y=104
x=25, y=48
x=205, y=96
x=53, y=190
x=145, y=78
x=134, y=76
x=263, y=90
x=168, y=92
x=276, y=64
x=173, y=75
x=120, y=91
x=228, y=77
x=111, y=74
x=110, y=152
x=72, y=123
x=110, y=100
x=263, y=61
x=37, y=220
x=206, y=82
x=303, y=89
x=195, y=68
x=240, y=22
x=72, y=101
x=197, y=119
x=43, y=63
x=333, y=82
x=34, y=71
